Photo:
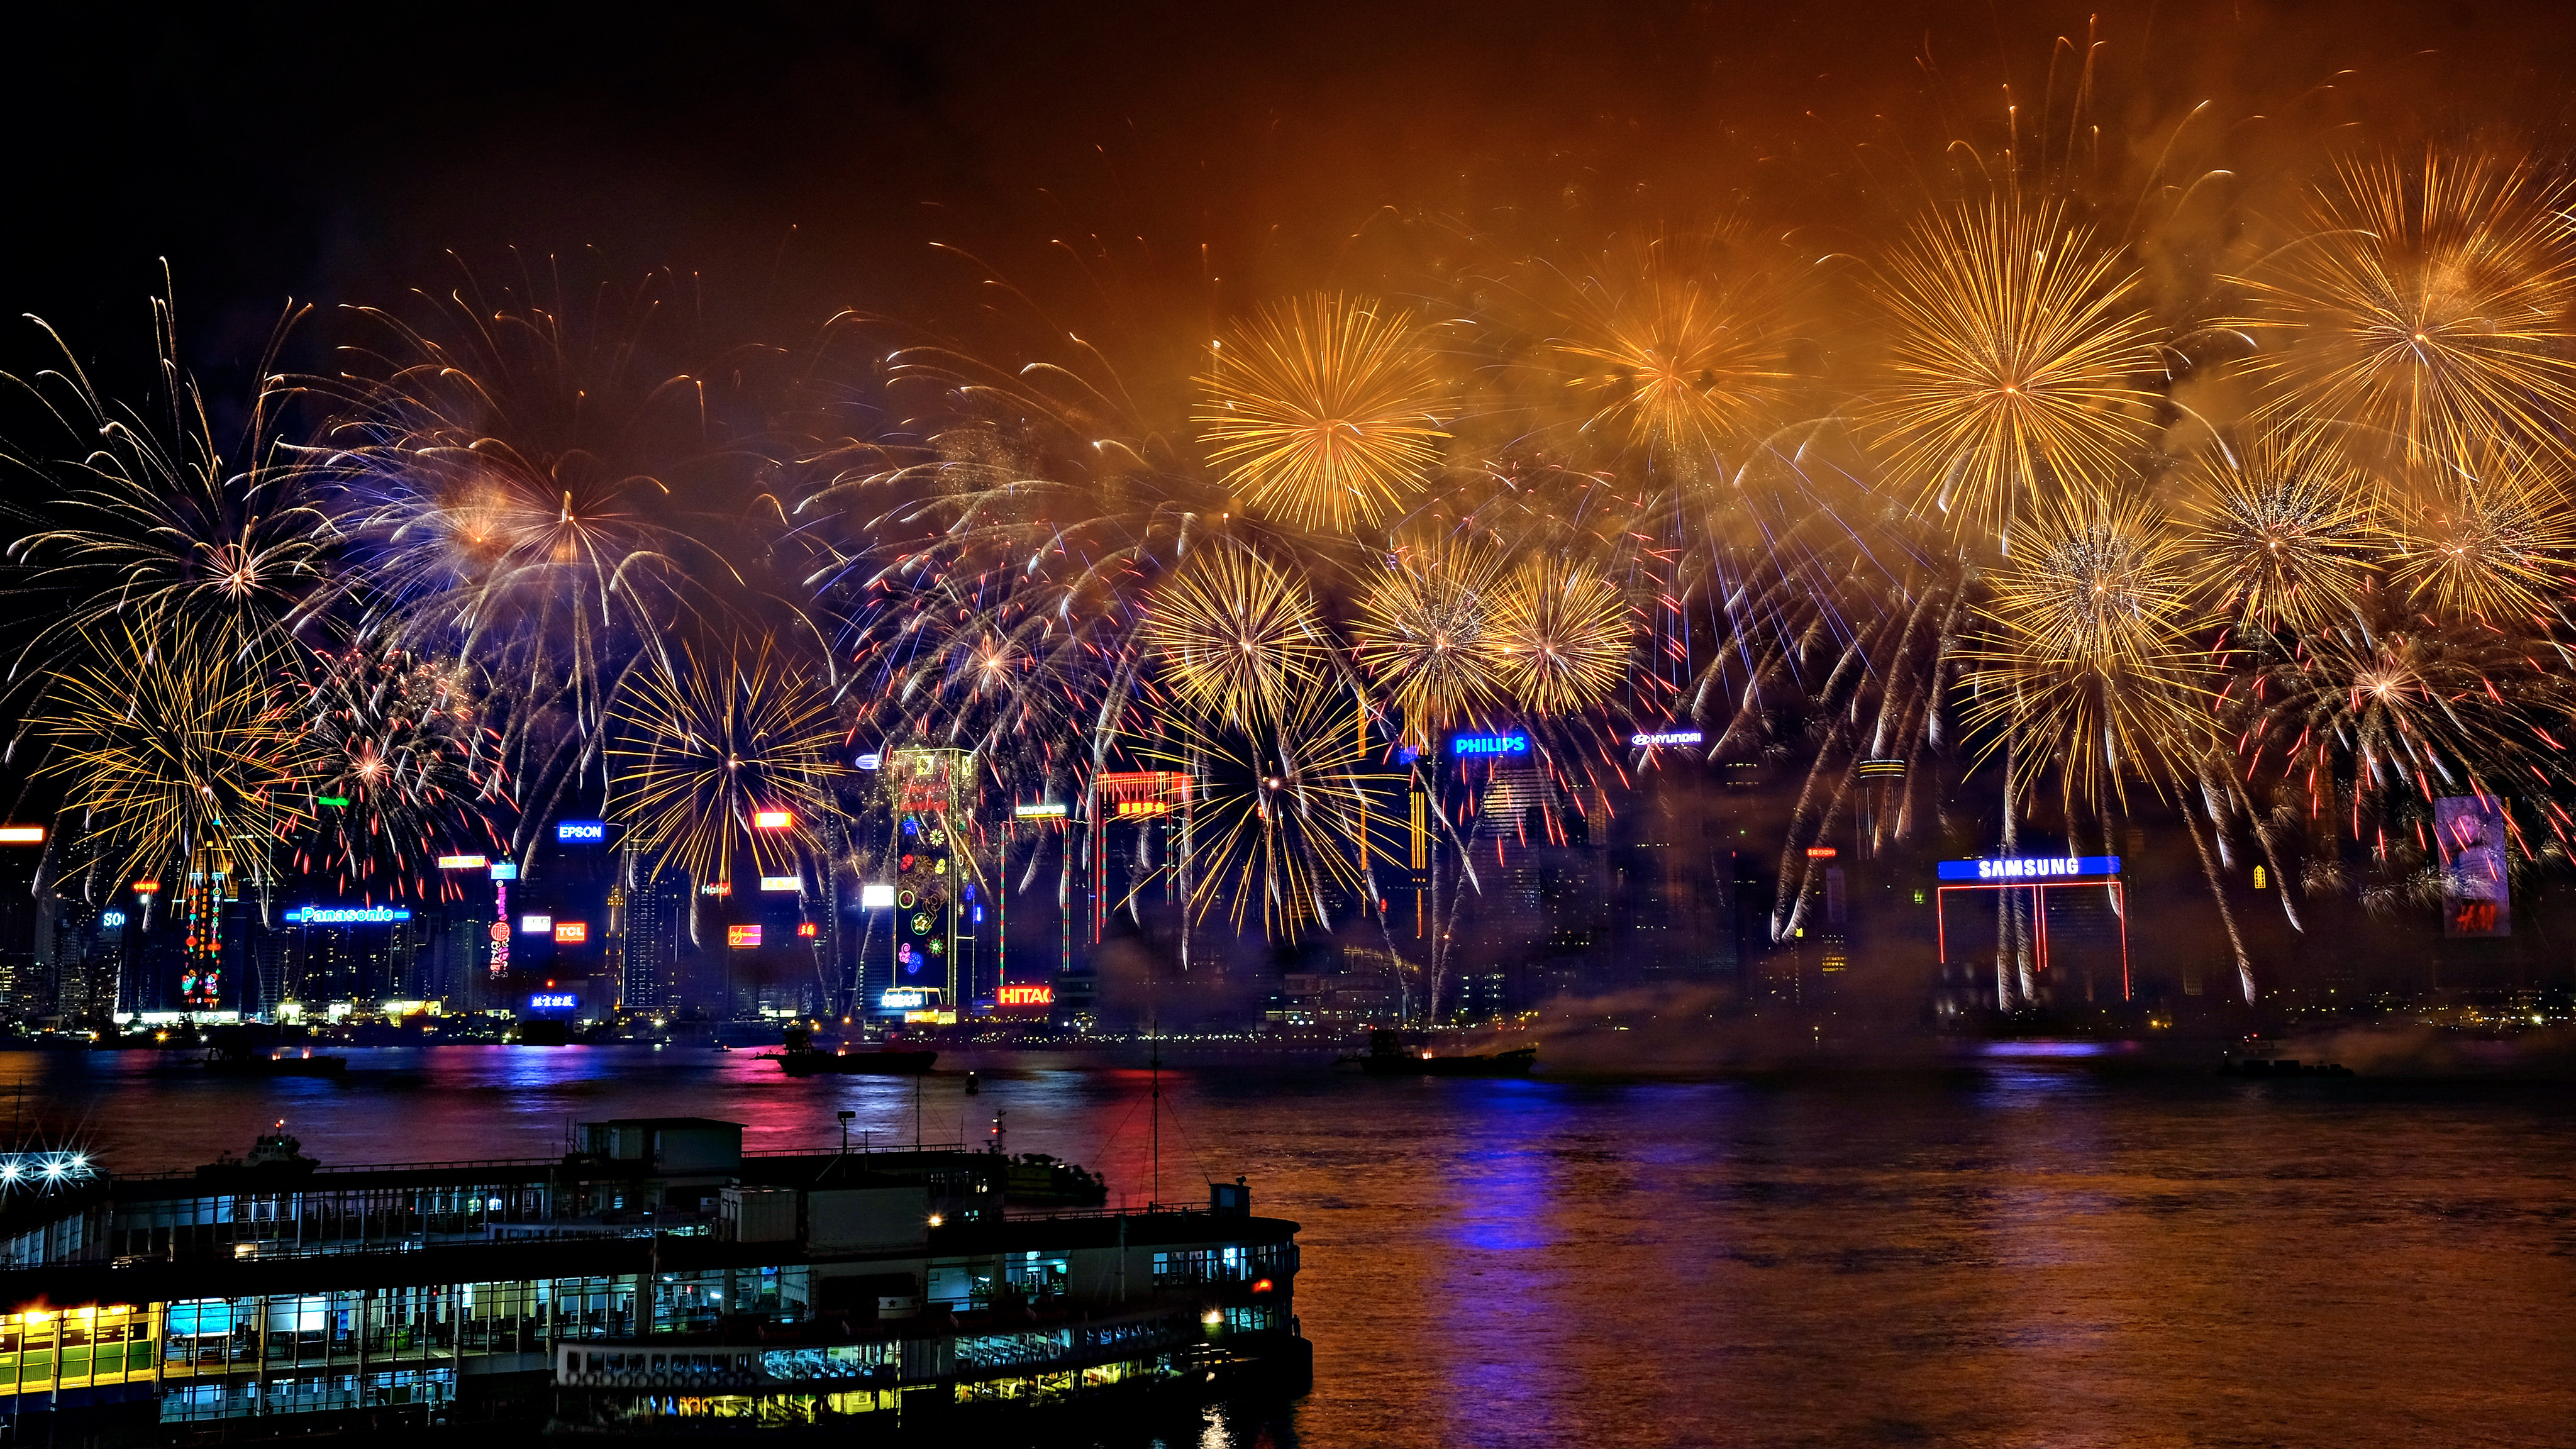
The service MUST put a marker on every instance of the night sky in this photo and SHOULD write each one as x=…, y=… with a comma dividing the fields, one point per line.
x=797, y=159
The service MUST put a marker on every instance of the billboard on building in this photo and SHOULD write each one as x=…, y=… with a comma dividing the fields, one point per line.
x=2470, y=832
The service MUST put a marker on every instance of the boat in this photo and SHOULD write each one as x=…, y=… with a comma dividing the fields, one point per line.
x=888, y=1291
x=1389, y=1056
x=884, y=1061
x=801, y=1058
x=246, y=1057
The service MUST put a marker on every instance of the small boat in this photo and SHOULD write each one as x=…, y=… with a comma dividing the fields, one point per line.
x=875, y=1062
x=1390, y=1057
x=246, y=1059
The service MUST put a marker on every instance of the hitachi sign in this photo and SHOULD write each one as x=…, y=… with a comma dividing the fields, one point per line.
x=2030, y=868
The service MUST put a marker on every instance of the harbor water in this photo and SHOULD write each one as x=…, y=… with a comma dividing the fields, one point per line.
x=2018, y=1249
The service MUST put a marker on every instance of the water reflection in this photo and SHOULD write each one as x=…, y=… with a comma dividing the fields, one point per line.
x=2033, y=1249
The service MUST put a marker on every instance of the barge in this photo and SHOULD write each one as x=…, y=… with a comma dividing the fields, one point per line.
x=657, y=1280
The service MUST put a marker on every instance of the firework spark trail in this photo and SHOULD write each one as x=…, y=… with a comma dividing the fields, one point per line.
x=399, y=739
x=2281, y=531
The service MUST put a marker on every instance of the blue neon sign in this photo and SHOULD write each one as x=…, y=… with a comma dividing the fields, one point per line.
x=582, y=830
x=2035, y=868
x=1514, y=743
x=551, y=1001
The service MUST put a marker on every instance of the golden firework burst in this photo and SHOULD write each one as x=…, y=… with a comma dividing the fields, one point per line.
x=1322, y=412
x=2490, y=538
x=2085, y=660
x=1236, y=634
x=1561, y=635
x=2014, y=371
x=1427, y=634
x=2280, y=530
x=1677, y=349
x=710, y=746
x=2426, y=309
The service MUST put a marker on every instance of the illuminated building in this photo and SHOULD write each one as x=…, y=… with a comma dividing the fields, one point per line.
x=620, y=1285
x=936, y=908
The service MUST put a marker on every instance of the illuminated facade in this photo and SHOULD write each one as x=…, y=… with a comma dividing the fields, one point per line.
x=794, y=1288
x=935, y=900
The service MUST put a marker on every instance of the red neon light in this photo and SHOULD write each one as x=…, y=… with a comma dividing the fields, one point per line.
x=1025, y=996
x=771, y=819
x=1821, y=852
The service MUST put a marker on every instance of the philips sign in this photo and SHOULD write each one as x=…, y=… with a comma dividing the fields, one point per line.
x=1511, y=744
x=2030, y=868
x=587, y=831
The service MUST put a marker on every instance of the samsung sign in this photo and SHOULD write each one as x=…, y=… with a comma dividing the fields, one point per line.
x=589, y=831
x=1511, y=744
x=2030, y=867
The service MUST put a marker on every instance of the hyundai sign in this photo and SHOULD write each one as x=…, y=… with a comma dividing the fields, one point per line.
x=1510, y=744
x=346, y=915
x=586, y=832
x=2035, y=868
x=1666, y=737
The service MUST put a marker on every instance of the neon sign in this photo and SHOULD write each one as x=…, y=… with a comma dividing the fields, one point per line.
x=463, y=862
x=2030, y=868
x=347, y=915
x=771, y=819
x=1822, y=852
x=1666, y=737
x=571, y=933
x=22, y=835
x=876, y=898
x=536, y=925
x=585, y=830
x=782, y=882
x=743, y=937
x=900, y=1000
x=554, y=1001
x=1038, y=812
x=505, y=871
x=111, y=919
x=1025, y=996
x=1510, y=744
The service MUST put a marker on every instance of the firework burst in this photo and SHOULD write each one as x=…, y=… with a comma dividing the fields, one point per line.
x=1322, y=412
x=2280, y=532
x=1677, y=352
x=2085, y=665
x=1427, y=635
x=1236, y=635
x=2427, y=308
x=1561, y=636
x=178, y=741
x=711, y=743
x=398, y=738
x=2490, y=539
x=2019, y=346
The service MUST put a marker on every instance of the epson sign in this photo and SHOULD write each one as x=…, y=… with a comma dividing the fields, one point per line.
x=584, y=831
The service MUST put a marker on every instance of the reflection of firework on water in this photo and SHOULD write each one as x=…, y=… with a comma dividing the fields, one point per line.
x=178, y=742
x=398, y=738
x=1320, y=412
x=2427, y=307
x=1675, y=352
x=1561, y=636
x=2490, y=539
x=153, y=512
x=1282, y=807
x=2085, y=666
x=1236, y=635
x=1427, y=635
x=2016, y=363
x=2279, y=531
x=710, y=743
